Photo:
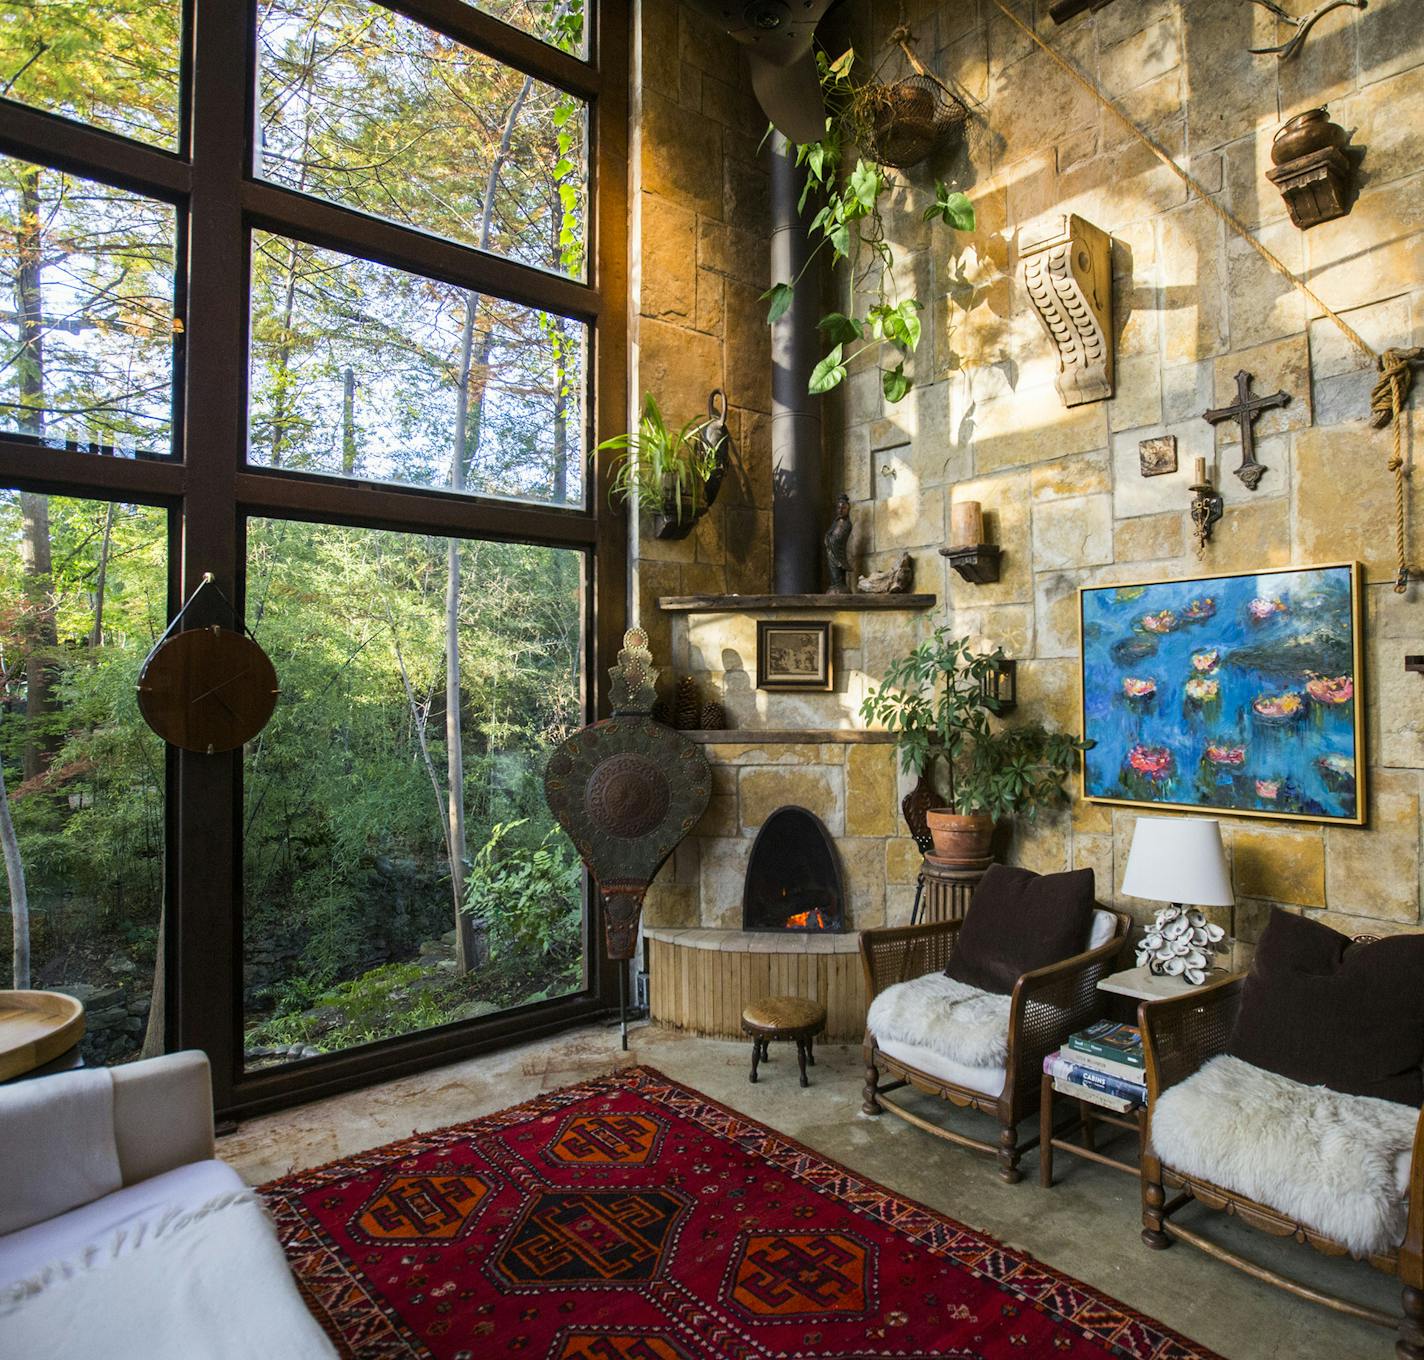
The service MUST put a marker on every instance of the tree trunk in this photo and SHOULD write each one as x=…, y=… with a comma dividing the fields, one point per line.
x=348, y=422
x=96, y=634
x=39, y=628
x=19, y=898
x=153, y=1037
x=471, y=949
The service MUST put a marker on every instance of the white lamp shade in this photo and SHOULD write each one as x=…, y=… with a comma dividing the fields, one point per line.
x=1178, y=859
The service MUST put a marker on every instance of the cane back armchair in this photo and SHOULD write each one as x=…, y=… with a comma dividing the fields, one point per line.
x=1179, y=1035
x=1047, y=1005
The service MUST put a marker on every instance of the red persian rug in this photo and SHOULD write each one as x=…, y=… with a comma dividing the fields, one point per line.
x=631, y=1218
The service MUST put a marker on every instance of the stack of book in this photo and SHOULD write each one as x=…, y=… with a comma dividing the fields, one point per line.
x=1102, y=1064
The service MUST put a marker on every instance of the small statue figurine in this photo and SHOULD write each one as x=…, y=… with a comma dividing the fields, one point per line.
x=898, y=580
x=838, y=549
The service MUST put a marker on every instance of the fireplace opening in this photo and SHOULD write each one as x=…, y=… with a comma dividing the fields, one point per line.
x=794, y=877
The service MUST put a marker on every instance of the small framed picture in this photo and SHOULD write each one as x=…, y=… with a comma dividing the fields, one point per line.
x=793, y=655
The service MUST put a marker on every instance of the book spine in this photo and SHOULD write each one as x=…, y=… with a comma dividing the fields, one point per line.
x=1109, y=1065
x=1063, y=1067
x=1107, y=1102
x=1082, y=1045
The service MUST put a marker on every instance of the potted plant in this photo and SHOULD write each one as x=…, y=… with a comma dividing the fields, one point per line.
x=674, y=473
x=937, y=703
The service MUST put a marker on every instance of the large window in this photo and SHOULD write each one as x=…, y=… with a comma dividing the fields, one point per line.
x=323, y=299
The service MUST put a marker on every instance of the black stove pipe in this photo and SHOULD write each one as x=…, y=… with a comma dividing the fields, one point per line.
x=795, y=414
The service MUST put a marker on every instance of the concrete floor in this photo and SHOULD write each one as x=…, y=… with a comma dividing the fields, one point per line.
x=1087, y=1225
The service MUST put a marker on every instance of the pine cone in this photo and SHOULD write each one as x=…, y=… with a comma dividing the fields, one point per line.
x=689, y=706
x=714, y=718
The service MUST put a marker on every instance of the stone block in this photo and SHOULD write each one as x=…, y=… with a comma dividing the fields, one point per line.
x=1137, y=400
x=1009, y=626
x=1032, y=426
x=915, y=520
x=1095, y=853
x=748, y=347
x=1083, y=474
x=1366, y=254
x=1134, y=494
x=1150, y=538
x=1374, y=871
x=863, y=873
x=723, y=874
x=1191, y=248
x=1261, y=305
x=871, y=806
x=1139, y=57
x=1048, y=693
x=1056, y=614
x=1251, y=536
x=669, y=273
x=1076, y=532
x=1284, y=866
x=1040, y=845
x=902, y=860
x=682, y=155
x=681, y=366
x=820, y=789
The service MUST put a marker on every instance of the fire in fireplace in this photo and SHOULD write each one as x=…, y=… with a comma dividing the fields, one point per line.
x=794, y=878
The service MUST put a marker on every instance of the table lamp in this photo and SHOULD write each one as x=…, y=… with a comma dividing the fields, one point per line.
x=1179, y=860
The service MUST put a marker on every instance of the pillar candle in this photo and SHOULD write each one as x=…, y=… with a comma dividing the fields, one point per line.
x=966, y=524
x=1201, y=471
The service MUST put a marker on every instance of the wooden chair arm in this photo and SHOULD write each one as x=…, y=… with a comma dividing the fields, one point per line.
x=1053, y=1002
x=1411, y=1250
x=1180, y=1033
x=892, y=954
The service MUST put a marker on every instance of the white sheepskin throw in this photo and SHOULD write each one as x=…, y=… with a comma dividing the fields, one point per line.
x=956, y=1021
x=1338, y=1164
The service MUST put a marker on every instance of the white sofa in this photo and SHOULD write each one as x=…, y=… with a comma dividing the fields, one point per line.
x=122, y=1235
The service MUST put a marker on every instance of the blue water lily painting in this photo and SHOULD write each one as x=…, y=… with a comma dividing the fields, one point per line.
x=1238, y=693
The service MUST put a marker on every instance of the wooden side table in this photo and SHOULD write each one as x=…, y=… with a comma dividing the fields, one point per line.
x=35, y=1029
x=1087, y=1118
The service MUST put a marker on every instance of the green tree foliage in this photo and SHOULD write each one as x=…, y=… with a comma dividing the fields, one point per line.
x=357, y=369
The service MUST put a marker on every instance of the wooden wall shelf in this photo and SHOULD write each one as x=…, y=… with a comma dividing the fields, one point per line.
x=799, y=736
x=749, y=604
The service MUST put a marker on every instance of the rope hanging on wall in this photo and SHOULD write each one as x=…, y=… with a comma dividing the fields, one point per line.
x=1391, y=389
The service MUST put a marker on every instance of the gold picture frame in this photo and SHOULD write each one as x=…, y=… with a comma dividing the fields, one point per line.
x=794, y=654
x=1227, y=694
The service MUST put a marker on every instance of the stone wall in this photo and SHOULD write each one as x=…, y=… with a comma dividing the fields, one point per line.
x=700, y=226
x=1192, y=305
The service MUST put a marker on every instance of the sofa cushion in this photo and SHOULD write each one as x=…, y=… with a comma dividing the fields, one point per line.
x=25, y=1252
x=1337, y=1163
x=57, y=1136
x=1019, y=921
x=963, y=1024
x=988, y=1081
x=1323, y=1010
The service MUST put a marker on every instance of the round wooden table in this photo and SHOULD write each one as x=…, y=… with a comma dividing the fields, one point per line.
x=35, y=1029
x=784, y=1017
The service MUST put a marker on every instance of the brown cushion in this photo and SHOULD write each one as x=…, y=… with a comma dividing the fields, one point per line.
x=1320, y=1009
x=1019, y=921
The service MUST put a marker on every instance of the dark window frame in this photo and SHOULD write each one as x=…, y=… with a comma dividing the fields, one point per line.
x=210, y=490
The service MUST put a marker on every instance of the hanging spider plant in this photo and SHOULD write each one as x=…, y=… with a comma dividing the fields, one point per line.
x=668, y=470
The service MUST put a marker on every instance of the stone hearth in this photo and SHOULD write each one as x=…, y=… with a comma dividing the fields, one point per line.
x=701, y=979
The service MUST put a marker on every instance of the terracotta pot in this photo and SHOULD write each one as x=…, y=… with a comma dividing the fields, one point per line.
x=960, y=841
x=1306, y=132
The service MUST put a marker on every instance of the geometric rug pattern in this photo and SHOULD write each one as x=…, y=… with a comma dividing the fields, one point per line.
x=632, y=1218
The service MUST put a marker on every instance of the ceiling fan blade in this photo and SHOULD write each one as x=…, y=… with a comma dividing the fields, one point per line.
x=791, y=97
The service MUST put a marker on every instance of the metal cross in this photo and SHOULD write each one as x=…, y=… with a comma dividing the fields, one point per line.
x=1244, y=412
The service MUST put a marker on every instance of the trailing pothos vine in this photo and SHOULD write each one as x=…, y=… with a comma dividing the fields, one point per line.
x=851, y=216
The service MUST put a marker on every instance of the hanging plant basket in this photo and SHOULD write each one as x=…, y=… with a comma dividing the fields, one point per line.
x=910, y=119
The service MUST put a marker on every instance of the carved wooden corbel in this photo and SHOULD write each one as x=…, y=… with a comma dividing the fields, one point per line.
x=1068, y=276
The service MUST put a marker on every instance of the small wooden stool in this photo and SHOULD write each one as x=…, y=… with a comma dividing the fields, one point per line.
x=784, y=1017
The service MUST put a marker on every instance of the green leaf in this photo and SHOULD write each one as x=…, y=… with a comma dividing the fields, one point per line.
x=902, y=324
x=952, y=208
x=829, y=373
x=840, y=67
x=839, y=328
x=865, y=185
x=781, y=296
x=895, y=383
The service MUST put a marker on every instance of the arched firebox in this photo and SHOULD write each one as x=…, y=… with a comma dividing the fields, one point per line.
x=794, y=877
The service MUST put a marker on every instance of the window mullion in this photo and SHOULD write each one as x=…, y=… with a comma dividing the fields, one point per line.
x=204, y=861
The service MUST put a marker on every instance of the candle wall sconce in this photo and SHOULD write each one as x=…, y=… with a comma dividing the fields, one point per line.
x=976, y=561
x=1415, y=664
x=1207, y=507
x=1001, y=685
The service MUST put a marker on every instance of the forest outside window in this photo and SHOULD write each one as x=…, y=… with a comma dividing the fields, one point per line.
x=373, y=111
x=363, y=371
x=356, y=926
x=87, y=325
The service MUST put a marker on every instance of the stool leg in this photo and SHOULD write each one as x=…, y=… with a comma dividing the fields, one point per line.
x=811, y=1052
x=756, y=1055
x=766, y=1050
x=801, y=1045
